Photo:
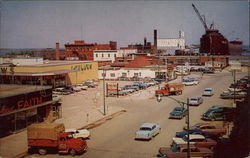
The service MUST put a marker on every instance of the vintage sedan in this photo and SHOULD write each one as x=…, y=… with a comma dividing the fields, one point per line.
x=208, y=92
x=147, y=131
x=232, y=94
x=178, y=113
x=180, y=151
x=209, y=128
x=196, y=139
x=195, y=101
x=213, y=136
x=80, y=134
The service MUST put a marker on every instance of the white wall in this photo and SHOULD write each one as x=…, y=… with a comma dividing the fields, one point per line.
x=105, y=55
x=129, y=73
x=126, y=52
x=171, y=42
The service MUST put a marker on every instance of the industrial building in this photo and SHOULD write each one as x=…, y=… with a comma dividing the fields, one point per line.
x=85, y=51
x=46, y=72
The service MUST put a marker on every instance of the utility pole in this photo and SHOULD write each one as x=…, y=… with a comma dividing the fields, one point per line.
x=187, y=122
x=234, y=75
x=104, y=106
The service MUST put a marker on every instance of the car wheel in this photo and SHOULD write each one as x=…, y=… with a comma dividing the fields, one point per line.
x=42, y=151
x=72, y=152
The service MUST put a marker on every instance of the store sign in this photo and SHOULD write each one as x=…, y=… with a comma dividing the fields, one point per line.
x=113, y=86
x=29, y=102
x=82, y=67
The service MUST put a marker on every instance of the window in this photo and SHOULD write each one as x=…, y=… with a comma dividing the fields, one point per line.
x=115, y=55
x=108, y=55
x=96, y=55
x=136, y=74
x=102, y=55
x=112, y=74
x=124, y=74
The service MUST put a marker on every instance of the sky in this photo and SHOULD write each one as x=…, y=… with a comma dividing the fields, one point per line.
x=40, y=24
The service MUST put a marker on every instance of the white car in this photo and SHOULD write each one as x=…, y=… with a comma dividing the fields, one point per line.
x=82, y=86
x=208, y=92
x=190, y=81
x=80, y=134
x=195, y=100
x=147, y=131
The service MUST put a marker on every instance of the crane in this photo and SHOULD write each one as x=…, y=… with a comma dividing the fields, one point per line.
x=200, y=17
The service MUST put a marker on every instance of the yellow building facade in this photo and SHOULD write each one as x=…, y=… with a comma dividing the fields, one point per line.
x=73, y=72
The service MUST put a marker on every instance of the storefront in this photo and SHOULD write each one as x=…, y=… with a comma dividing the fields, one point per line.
x=21, y=106
x=53, y=73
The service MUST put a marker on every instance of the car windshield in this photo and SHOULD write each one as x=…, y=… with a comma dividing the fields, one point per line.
x=175, y=148
x=178, y=109
x=207, y=90
x=193, y=99
x=145, y=129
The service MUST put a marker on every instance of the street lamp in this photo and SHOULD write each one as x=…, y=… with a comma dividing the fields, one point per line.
x=104, y=106
x=159, y=99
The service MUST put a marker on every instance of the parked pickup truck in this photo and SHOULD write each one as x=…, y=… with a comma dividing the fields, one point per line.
x=180, y=151
x=170, y=88
x=46, y=136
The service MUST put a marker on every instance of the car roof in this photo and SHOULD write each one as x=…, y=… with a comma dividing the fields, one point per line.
x=208, y=89
x=149, y=125
x=196, y=136
x=195, y=97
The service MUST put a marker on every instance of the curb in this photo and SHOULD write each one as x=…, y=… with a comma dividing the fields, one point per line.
x=102, y=120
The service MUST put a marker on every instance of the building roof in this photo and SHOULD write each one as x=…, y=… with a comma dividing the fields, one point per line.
x=7, y=90
x=44, y=73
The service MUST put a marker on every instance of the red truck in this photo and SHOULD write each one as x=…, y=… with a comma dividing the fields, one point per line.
x=46, y=136
x=170, y=88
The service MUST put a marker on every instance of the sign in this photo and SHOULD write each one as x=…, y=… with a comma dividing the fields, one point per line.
x=113, y=86
x=82, y=67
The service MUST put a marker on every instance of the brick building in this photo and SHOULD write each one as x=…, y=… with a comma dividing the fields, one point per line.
x=85, y=51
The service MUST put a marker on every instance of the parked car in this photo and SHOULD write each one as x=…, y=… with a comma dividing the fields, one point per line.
x=151, y=83
x=82, y=86
x=208, y=92
x=147, y=131
x=195, y=101
x=119, y=92
x=209, y=128
x=80, y=134
x=127, y=91
x=141, y=85
x=226, y=114
x=180, y=151
x=178, y=113
x=208, y=70
x=213, y=136
x=131, y=87
x=196, y=139
x=76, y=88
x=232, y=94
x=89, y=83
x=62, y=91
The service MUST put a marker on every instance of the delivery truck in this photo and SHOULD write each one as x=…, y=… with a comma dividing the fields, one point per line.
x=50, y=136
x=170, y=89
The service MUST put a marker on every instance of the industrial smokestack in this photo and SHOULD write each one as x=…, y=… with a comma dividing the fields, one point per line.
x=145, y=41
x=155, y=39
x=57, y=51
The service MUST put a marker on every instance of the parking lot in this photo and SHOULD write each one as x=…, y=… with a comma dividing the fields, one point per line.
x=115, y=138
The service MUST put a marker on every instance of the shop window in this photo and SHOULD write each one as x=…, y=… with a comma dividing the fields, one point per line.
x=124, y=74
x=96, y=55
x=136, y=74
x=108, y=55
x=112, y=74
x=102, y=55
x=115, y=55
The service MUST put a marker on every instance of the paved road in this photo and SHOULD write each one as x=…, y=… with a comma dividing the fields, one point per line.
x=115, y=138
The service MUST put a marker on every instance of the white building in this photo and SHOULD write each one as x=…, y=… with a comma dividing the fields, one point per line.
x=113, y=74
x=171, y=44
x=110, y=55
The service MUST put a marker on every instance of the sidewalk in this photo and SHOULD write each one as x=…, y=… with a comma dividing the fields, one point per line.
x=78, y=110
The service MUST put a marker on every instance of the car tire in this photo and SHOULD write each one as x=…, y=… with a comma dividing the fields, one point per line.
x=72, y=152
x=42, y=151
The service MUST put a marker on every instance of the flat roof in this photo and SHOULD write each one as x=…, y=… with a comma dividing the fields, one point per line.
x=44, y=73
x=7, y=90
x=57, y=63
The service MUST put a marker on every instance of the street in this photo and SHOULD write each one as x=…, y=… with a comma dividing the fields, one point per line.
x=115, y=138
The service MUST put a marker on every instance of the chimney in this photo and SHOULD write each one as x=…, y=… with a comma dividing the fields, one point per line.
x=145, y=41
x=155, y=39
x=57, y=51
